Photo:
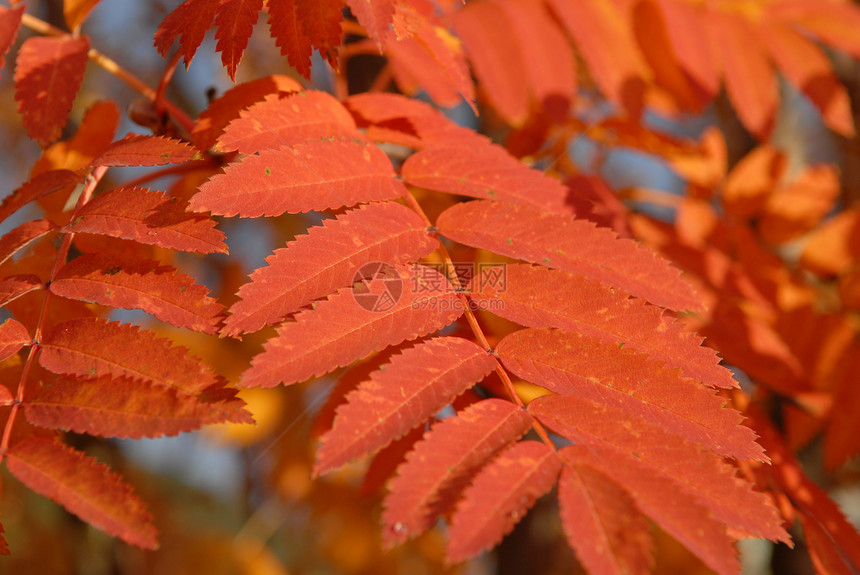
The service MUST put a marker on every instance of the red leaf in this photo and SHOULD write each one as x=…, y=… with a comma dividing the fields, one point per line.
x=577, y=246
x=115, y=281
x=750, y=80
x=290, y=36
x=551, y=69
x=384, y=464
x=76, y=11
x=235, y=22
x=375, y=16
x=444, y=462
x=602, y=523
x=834, y=23
x=328, y=258
x=125, y=408
x=744, y=339
x=318, y=175
x=188, y=23
x=13, y=287
x=836, y=539
x=13, y=336
x=148, y=217
x=283, y=121
x=808, y=69
x=22, y=236
x=499, y=497
x=4, y=545
x=211, y=122
x=602, y=34
x=83, y=486
x=347, y=327
x=136, y=150
x=624, y=379
x=427, y=377
x=675, y=511
x=486, y=172
x=408, y=122
x=48, y=75
x=429, y=57
x=122, y=351
x=686, y=27
x=320, y=20
x=498, y=63
x=10, y=23
x=530, y=297
x=38, y=187
x=637, y=452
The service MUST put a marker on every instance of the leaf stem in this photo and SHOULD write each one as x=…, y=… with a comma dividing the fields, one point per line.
x=476, y=327
x=92, y=181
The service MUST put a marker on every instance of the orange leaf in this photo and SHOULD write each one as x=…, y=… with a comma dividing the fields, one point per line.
x=560, y=241
x=431, y=59
x=148, y=217
x=320, y=20
x=10, y=23
x=834, y=23
x=807, y=67
x=118, y=282
x=235, y=22
x=136, y=150
x=529, y=295
x=406, y=121
x=500, y=496
x=13, y=336
x=327, y=258
x=123, y=351
x=38, y=187
x=795, y=209
x=837, y=543
x=397, y=304
x=686, y=27
x=83, y=486
x=602, y=523
x=76, y=11
x=317, y=175
x=283, y=121
x=602, y=35
x=486, y=33
x=835, y=246
x=22, y=236
x=188, y=24
x=627, y=380
x=428, y=377
x=649, y=462
x=48, y=75
x=13, y=287
x=749, y=77
x=124, y=407
x=444, y=462
x=375, y=16
x=211, y=122
x=749, y=184
x=290, y=36
x=486, y=172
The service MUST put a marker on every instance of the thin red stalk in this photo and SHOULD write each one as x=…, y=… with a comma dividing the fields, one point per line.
x=476, y=327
